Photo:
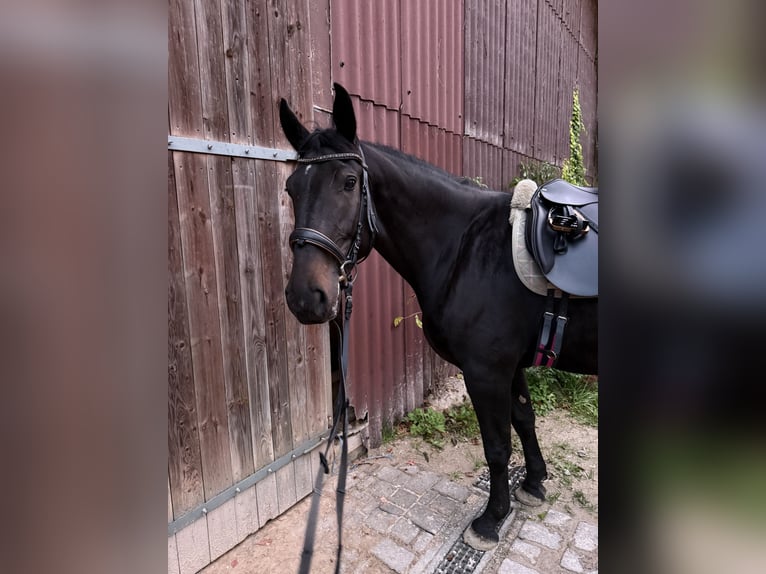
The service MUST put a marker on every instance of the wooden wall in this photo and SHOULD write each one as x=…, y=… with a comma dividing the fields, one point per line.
x=246, y=383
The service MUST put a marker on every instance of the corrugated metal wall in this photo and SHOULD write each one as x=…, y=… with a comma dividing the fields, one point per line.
x=475, y=87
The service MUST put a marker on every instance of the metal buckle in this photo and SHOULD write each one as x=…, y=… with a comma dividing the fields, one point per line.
x=347, y=277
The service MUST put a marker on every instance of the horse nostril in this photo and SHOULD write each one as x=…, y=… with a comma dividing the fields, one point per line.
x=319, y=295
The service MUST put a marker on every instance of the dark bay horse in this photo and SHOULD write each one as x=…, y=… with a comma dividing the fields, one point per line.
x=451, y=242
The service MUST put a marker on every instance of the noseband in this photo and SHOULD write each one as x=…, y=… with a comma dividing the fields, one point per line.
x=303, y=235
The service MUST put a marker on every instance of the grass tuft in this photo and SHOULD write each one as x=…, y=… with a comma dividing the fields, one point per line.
x=550, y=389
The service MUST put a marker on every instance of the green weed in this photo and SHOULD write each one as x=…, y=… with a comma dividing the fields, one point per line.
x=461, y=421
x=428, y=424
x=551, y=388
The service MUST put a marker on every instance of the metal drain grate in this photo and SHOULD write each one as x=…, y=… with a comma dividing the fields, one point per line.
x=515, y=475
x=461, y=558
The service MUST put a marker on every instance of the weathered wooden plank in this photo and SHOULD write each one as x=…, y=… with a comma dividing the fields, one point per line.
x=231, y=313
x=262, y=98
x=236, y=64
x=193, y=547
x=274, y=299
x=173, y=566
x=204, y=320
x=184, y=98
x=321, y=65
x=251, y=279
x=303, y=477
x=268, y=504
x=184, y=456
x=246, y=505
x=317, y=377
x=222, y=528
x=286, y=495
x=289, y=50
x=216, y=126
x=296, y=337
x=215, y=113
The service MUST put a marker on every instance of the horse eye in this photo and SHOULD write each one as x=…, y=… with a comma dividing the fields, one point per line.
x=350, y=182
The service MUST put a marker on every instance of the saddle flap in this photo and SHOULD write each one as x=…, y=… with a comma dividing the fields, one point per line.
x=568, y=260
x=564, y=193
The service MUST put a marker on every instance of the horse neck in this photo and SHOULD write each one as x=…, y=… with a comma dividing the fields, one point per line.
x=421, y=214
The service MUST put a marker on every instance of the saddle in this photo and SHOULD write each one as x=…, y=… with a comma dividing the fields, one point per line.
x=562, y=235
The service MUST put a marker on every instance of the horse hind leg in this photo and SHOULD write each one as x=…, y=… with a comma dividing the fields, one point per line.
x=492, y=402
x=531, y=492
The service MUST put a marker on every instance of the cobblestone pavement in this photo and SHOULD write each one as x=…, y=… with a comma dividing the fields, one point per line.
x=402, y=517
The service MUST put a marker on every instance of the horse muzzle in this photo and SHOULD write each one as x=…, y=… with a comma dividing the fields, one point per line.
x=311, y=304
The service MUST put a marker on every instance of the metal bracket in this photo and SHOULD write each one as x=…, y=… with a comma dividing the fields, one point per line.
x=302, y=450
x=178, y=143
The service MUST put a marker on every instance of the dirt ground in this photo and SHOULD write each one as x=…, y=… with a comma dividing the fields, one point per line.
x=570, y=450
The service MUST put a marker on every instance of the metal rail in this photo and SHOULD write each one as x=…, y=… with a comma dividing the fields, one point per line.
x=179, y=143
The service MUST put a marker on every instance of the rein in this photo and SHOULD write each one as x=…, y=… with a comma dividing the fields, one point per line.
x=348, y=263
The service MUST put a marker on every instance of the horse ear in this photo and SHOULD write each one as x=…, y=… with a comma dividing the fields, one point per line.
x=343, y=113
x=292, y=126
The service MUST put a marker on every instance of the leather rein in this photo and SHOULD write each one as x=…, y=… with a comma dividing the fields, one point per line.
x=348, y=263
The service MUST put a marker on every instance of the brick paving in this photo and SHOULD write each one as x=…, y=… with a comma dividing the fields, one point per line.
x=420, y=517
x=405, y=518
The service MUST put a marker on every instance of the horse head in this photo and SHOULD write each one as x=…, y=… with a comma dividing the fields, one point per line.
x=331, y=206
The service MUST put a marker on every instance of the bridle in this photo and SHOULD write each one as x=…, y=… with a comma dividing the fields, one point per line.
x=348, y=263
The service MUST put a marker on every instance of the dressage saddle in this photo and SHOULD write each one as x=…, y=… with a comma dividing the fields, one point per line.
x=563, y=236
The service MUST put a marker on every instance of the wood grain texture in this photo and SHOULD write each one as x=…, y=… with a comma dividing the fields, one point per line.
x=246, y=505
x=231, y=315
x=274, y=300
x=184, y=97
x=204, y=320
x=236, y=70
x=286, y=495
x=193, y=547
x=173, y=566
x=318, y=378
x=268, y=504
x=263, y=100
x=251, y=279
x=222, y=528
x=184, y=456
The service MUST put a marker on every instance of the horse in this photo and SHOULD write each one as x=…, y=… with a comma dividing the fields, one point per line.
x=451, y=243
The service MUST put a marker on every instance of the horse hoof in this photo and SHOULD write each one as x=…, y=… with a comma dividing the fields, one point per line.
x=526, y=498
x=476, y=541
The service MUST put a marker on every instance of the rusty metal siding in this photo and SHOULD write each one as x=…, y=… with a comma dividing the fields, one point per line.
x=546, y=97
x=485, y=33
x=484, y=160
x=432, y=63
x=567, y=83
x=366, y=49
x=571, y=16
x=520, y=76
x=588, y=27
x=437, y=146
x=587, y=80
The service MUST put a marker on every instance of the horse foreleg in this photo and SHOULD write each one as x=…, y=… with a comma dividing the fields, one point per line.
x=492, y=402
x=532, y=491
